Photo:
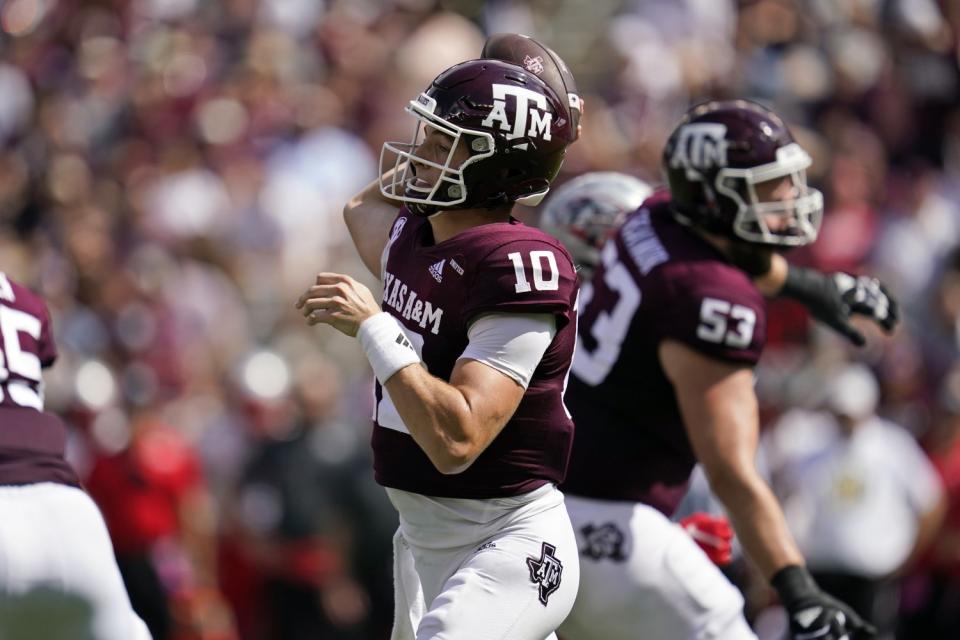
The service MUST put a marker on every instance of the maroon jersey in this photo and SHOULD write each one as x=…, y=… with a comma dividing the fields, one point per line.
x=658, y=280
x=31, y=442
x=435, y=290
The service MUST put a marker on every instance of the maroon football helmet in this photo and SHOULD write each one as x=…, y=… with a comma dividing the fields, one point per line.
x=514, y=128
x=723, y=162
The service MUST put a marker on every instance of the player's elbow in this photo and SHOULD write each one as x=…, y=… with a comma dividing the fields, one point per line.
x=350, y=211
x=452, y=467
x=453, y=453
x=454, y=458
x=458, y=437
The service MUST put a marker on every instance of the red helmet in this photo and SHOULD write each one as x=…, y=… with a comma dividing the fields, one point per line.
x=515, y=128
x=717, y=157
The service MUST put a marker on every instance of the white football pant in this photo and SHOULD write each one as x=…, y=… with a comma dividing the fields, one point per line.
x=56, y=556
x=498, y=569
x=643, y=578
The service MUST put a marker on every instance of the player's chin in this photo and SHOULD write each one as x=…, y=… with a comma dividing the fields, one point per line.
x=752, y=258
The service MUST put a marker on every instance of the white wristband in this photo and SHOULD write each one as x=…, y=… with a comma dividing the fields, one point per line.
x=386, y=345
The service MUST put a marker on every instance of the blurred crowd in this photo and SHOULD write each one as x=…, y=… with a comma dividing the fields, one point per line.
x=172, y=174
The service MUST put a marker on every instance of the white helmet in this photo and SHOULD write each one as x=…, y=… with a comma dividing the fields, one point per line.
x=586, y=211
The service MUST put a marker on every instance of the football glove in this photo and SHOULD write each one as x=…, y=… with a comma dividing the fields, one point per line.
x=713, y=534
x=815, y=615
x=834, y=298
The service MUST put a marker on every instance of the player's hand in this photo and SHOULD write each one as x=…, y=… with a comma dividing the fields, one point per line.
x=338, y=300
x=815, y=615
x=713, y=534
x=867, y=297
x=835, y=298
x=823, y=617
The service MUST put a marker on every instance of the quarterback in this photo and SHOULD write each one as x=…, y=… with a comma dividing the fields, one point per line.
x=471, y=346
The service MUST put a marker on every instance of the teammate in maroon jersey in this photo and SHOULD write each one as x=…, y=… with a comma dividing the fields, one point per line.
x=671, y=325
x=583, y=214
x=471, y=347
x=51, y=534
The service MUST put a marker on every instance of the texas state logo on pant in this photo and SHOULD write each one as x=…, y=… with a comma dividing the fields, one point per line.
x=546, y=571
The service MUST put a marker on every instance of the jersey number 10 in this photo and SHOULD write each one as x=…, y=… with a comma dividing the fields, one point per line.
x=537, y=258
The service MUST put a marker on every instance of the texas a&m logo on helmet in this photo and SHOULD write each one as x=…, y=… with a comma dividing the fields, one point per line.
x=531, y=107
x=700, y=146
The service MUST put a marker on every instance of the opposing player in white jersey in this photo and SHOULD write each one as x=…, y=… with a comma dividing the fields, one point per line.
x=54, y=545
x=471, y=347
x=670, y=324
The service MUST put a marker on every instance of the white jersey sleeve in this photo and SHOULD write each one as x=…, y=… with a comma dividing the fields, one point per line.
x=511, y=343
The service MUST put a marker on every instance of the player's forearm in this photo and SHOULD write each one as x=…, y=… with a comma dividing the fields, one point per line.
x=369, y=216
x=453, y=421
x=758, y=520
x=367, y=203
x=439, y=418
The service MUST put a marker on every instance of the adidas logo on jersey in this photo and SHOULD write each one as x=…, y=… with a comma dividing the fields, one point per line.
x=436, y=270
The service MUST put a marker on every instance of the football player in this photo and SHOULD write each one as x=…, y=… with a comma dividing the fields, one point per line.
x=53, y=539
x=671, y=324
x=470, y=346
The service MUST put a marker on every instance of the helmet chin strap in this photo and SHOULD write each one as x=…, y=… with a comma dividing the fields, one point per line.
x=432, y=210
x=423, y=210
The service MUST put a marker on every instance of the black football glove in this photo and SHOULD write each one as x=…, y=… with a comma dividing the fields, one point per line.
x=833, y=298
x=815, y=615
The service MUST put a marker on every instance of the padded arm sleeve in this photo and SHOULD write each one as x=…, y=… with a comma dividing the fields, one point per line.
x=511, y=343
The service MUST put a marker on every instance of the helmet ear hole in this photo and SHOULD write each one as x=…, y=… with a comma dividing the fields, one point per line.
x=479, y=145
